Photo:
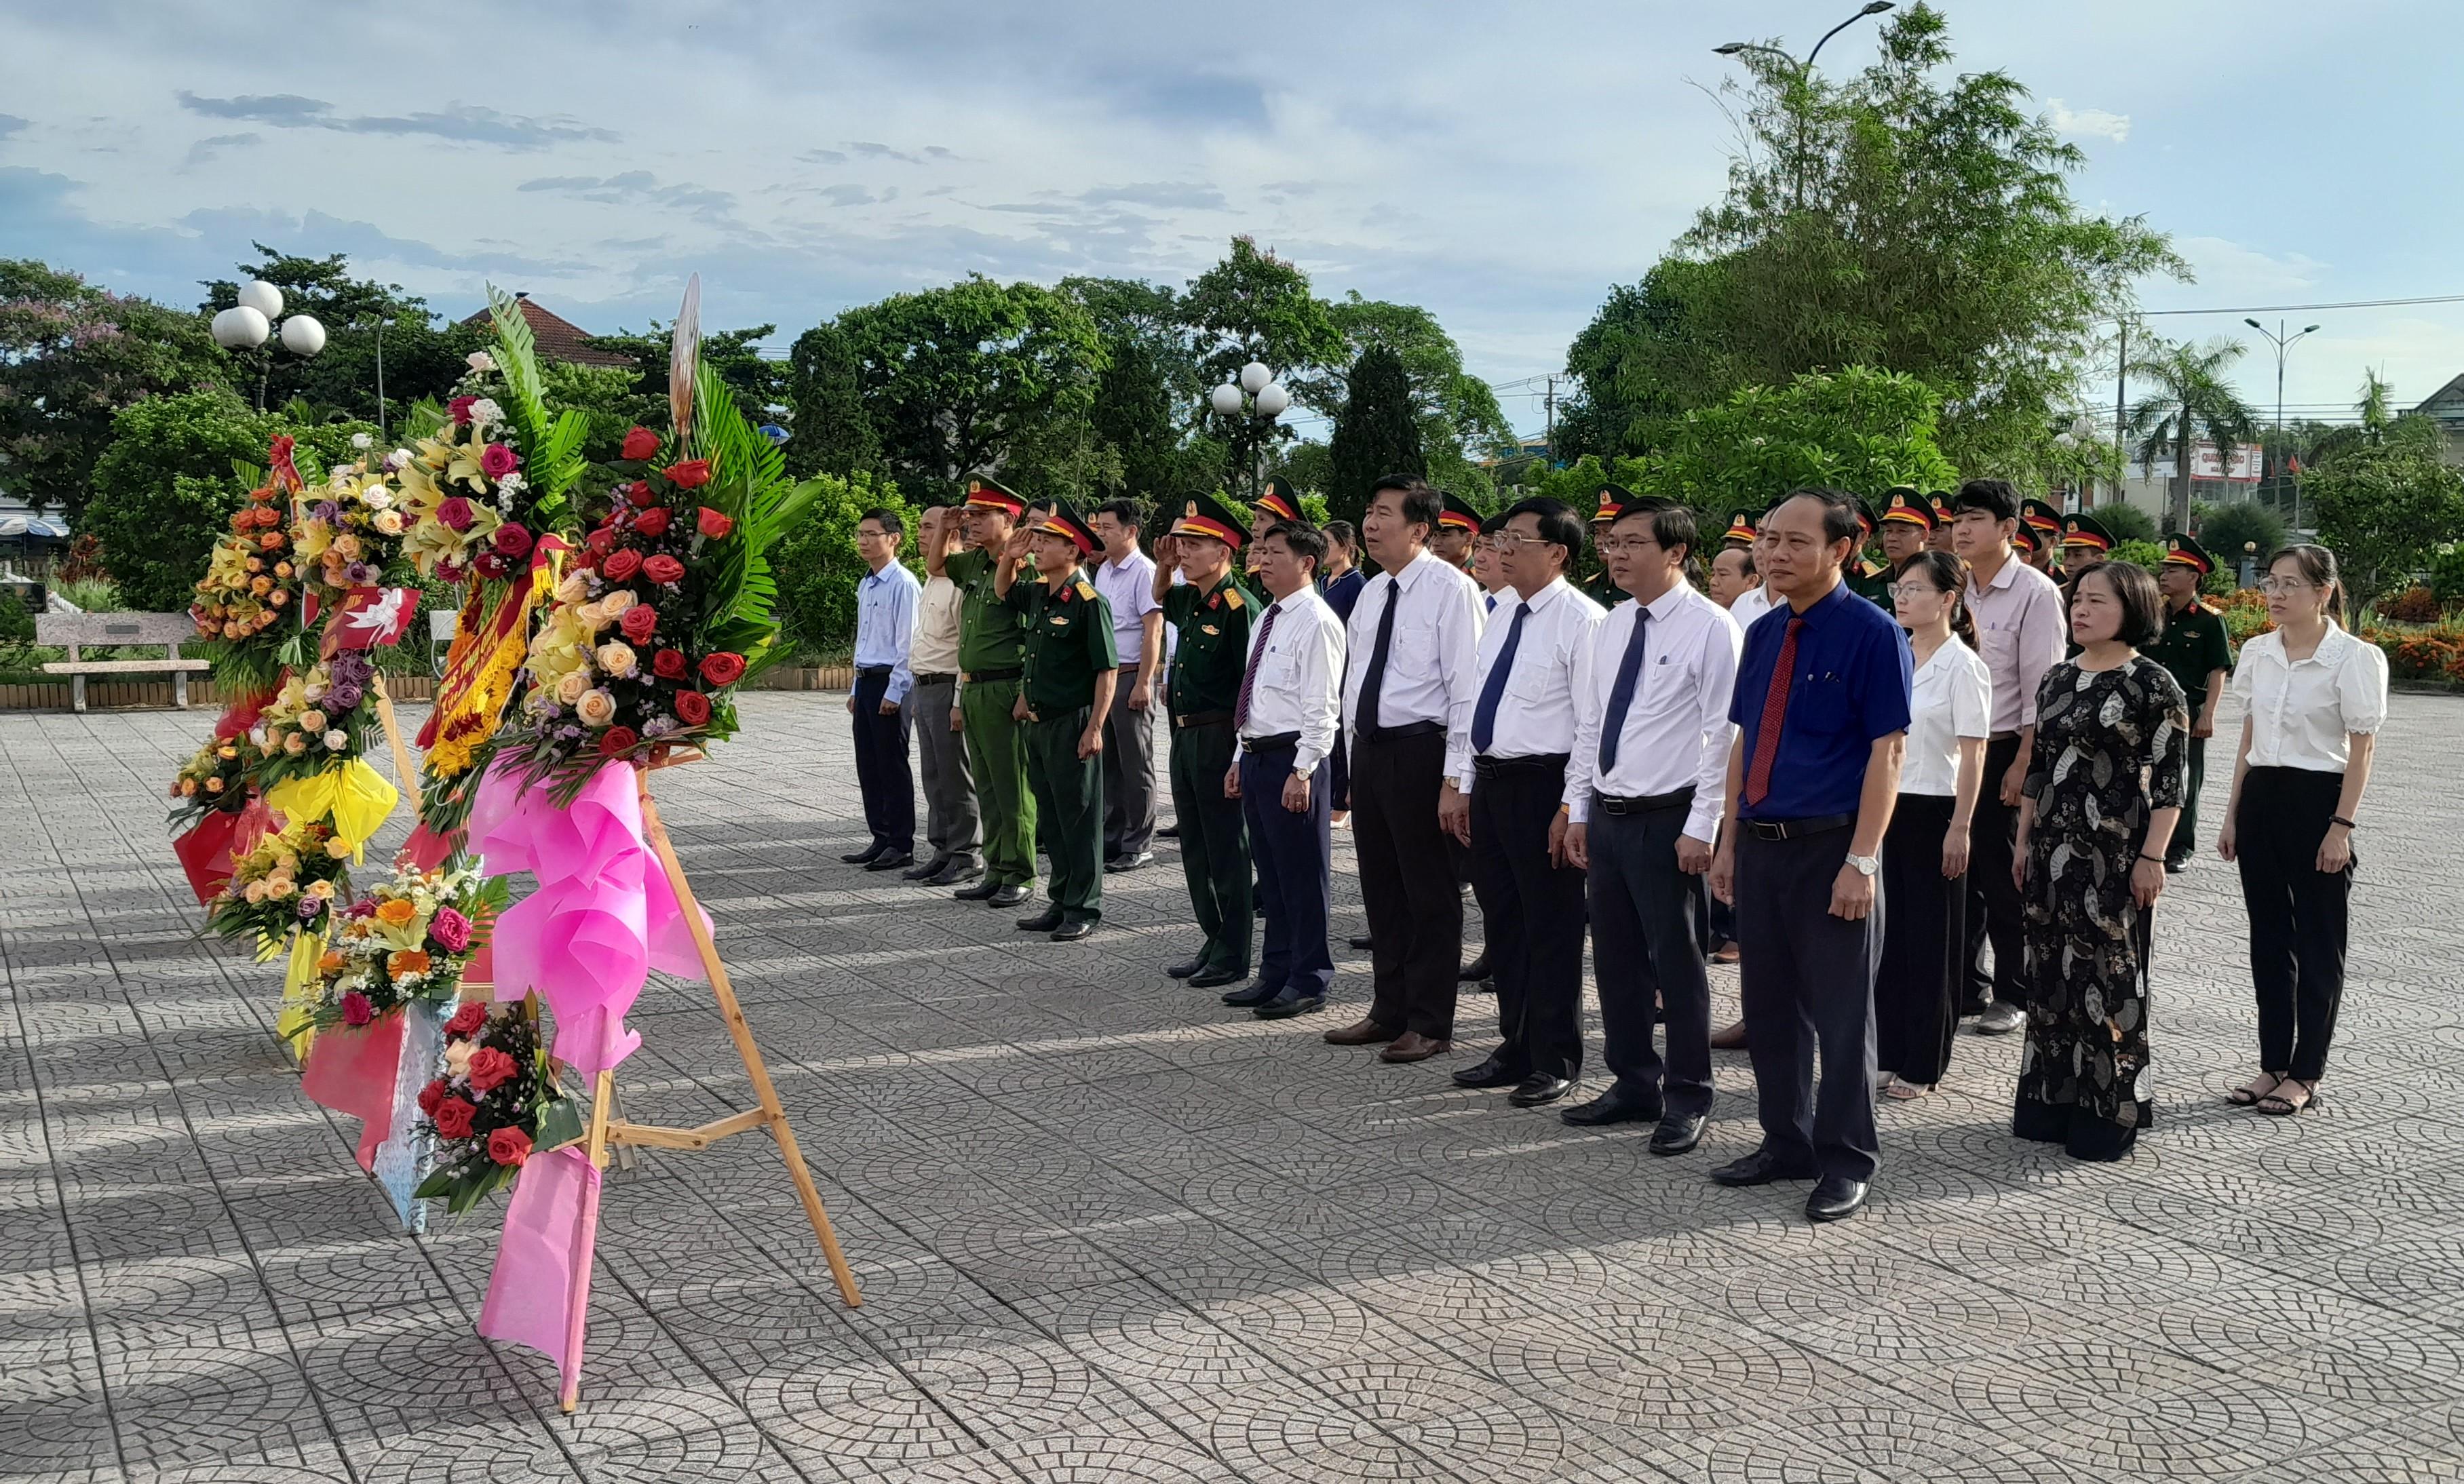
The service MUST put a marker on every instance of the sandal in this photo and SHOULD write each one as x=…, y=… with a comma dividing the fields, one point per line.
x=2245, y=1095
x=1909, y=1092
x=2278, y=1105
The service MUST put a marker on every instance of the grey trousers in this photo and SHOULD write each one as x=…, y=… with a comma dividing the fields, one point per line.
x=950, y=825
x=1129, y=771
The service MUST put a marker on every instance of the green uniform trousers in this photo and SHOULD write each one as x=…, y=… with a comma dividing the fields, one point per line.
x=1069, y=802
x=997, y=746
x=1213, y=848
x=2185, y=843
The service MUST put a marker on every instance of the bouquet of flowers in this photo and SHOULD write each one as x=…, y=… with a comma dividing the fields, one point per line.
x=668, y=608
x=496, y=1102
x=407, y=940
x=286, y=883
x=216, y=780
x=316, y=719
x=250, y=588
x=348, y=532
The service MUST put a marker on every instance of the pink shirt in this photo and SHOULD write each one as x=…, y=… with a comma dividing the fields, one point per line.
x=2019, y=631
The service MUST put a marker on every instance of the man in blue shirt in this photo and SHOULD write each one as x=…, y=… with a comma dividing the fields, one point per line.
x=1821, y=706
x=886, y=604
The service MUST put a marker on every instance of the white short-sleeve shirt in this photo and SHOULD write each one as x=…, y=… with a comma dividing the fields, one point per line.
x=2301, y=712
x=1950, y=697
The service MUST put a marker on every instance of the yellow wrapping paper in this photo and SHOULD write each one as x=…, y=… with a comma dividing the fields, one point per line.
x=356, y=794
x=299, y=990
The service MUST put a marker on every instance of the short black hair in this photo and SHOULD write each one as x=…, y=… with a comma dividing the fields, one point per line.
x=890, y=520
x=1300, y=539
x=1341, y=532
x=1995, y=495
x=1125, y=511
x=1559, y=525
x=1422, y=506
x=1672, y=525
x=1839, y=511
x=2143, y=605
x=1746, y=552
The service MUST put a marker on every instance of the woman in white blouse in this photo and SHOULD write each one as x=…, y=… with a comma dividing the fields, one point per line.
x=1924, y=853
x=2313, y=696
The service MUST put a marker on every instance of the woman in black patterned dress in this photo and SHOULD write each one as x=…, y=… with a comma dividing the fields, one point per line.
x=2104, y=790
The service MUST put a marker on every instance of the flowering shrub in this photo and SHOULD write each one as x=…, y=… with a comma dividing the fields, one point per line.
x=2413, y=605
x=408, y=939
x=287, y=881
x=496, y=1101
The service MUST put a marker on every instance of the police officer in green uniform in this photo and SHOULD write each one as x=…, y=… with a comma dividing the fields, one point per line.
x=1459, y=523
x=1071, y=667
x=991, y=659
x=1601, y=588
x=1907, y=524
x=1211, y=612
x=2198, y=654
x=2085, y=542
x=1865, y=576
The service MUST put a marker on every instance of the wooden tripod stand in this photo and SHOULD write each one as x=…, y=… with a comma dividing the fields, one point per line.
x=606, y=1129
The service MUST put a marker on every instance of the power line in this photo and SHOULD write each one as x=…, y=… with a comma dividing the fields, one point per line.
x=2295, y=309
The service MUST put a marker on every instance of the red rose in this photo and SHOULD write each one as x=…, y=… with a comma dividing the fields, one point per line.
x=638, y=622
x=468, y=1018
x=620, y=565
x=691, y=475
x=664, y=568
x=490, y=1068
x=714, y=524
x=431, y=1095
x=460, y=409
x=668, y=663
x=640, y=443
x=617, y=741
x=358, y=1009
x=722, y=668
x=508, y=1147
x=488, y=565
x=453, y=1118
x=602, y=541
x=655, y=520
x=497, y=460
x=693, y=708
x=639, y=493
x=511, y=540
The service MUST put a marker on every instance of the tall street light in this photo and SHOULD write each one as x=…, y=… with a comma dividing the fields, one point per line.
x=1803, y=70
x=1251, y=403
x=2283, y=342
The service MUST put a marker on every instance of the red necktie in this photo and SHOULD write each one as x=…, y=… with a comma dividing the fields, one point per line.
x=1774, y=711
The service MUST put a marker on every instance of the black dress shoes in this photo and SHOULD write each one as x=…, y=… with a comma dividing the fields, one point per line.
x=864, y=857
x=890, y=860
x=1475, y=971
x=959, y=869
x=1289, y=1003
x=1252, y=996
x=1217, y=978
x=1041, y=922
x=1835, y=1198
x=1609, y=1107
x=980, y=891
x=1678, y=1133
x=1073, y=929
x=926, y=870
x=1537, y=1089
x=1490, y=1073
x=1360, y=941
x=1760, y=1167
x=1010, y=895
x=1195, y=965
x=1167, y=832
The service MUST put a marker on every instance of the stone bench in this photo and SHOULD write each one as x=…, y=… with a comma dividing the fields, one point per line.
x=76, y=630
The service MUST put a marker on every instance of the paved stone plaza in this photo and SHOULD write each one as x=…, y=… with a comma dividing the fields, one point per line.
x=1109, y=1230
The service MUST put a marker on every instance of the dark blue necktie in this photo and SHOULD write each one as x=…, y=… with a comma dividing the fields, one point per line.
x=1484, y=716
x=1621, y=693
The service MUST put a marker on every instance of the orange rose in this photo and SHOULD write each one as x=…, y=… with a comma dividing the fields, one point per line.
x=331, y=963
x=270, y=541
x=407, y=962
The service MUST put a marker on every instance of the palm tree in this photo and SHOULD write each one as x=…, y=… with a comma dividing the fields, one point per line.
x=2191, y=401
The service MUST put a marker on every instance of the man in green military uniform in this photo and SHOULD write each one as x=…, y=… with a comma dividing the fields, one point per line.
x=1070, y=667
x=2048, y=554
x=2196, y=652
x=1212, y=612
x=1908, y=523
x=1601, y=588
x=991, y=659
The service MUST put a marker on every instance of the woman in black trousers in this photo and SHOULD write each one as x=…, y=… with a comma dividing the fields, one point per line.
x=2313, y=697
x=1924, y=855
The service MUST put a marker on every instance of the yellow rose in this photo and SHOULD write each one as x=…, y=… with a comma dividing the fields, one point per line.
x=457, y=1058
x=388, y=521
x=312, y=721
x=295, y=744
x=573, y=589
x=595, y=707
x=569, y=688
x=255, y=892
x=280, y=889
x=614, y=603
x=615, y=658
x=339, y=848
x=346, y=546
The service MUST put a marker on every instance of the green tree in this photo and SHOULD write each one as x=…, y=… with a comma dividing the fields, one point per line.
x=833, y=429
x=2127, y=522
x=1255, y=306
x=1148, y=396
x=2192, y=401
x=1379, y=434
x=761, y=385
x=423, y=358
x=1650, y=353
x=1458, y=413
x=1860, y=430
x=2243, y=523
x=2384, y=509
x=816, y=564
x=72, y=355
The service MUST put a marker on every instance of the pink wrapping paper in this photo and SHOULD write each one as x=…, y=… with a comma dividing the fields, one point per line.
x=351, y=1070
x=540, y=1291
x=603, y=915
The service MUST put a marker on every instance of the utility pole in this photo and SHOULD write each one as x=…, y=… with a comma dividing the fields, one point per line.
x=2121, y=393
x=1549, y=400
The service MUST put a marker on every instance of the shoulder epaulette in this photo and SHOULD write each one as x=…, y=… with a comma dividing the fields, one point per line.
x=2211, y=608
x=1086, y=589
x=1231, y=598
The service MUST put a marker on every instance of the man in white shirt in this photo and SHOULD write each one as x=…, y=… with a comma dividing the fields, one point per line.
x=885, y=626
x=1644, y=797
x=1125, y=578
x=1413, y=640
x=1510, y=757
x=932, y=715
x=1290, y=695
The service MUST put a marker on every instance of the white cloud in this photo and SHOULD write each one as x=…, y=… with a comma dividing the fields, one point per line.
x=2088, y=122
x=2236, y=272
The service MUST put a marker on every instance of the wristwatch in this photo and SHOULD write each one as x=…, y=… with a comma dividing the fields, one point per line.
x=1866, y=865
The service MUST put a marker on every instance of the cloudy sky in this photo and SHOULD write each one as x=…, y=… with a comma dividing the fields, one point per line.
x=1502, y=165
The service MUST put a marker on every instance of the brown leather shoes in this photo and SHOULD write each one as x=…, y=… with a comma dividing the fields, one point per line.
x=1413, y=1046
x=1363, y=1033
x=1729, y=1037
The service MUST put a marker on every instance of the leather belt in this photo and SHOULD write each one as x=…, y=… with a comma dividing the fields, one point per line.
x=873, y=669
x=1280, y=742
x=1487, y=767
x=936, y=678
x=979, y=677
x=2003, y=737
x=1644, y=803
x=1410, y=728
x=1798, y=829
x=1183, y=720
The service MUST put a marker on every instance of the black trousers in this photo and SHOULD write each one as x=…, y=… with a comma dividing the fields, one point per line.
x=2299, y=915
x=1407, y=881
x=1214, y=847
x=1531, y=915
x=1295, y=875
x=881, y=771
x=1807, y=981
x=1924, y=947
x=1646, y=949
x=1994, y=913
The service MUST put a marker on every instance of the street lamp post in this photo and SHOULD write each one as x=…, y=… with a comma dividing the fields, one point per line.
x=2282, y=343
x=248, y=324
x=1804, y=69
x=1252, y=404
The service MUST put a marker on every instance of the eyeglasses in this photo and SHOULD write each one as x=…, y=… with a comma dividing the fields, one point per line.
x=1915, y=590
x=1637, y=546
x=2283, y=587
x=1508, y=540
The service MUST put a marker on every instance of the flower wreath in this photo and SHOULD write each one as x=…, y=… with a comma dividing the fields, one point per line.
x=214, y=780
x=497, y=1101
